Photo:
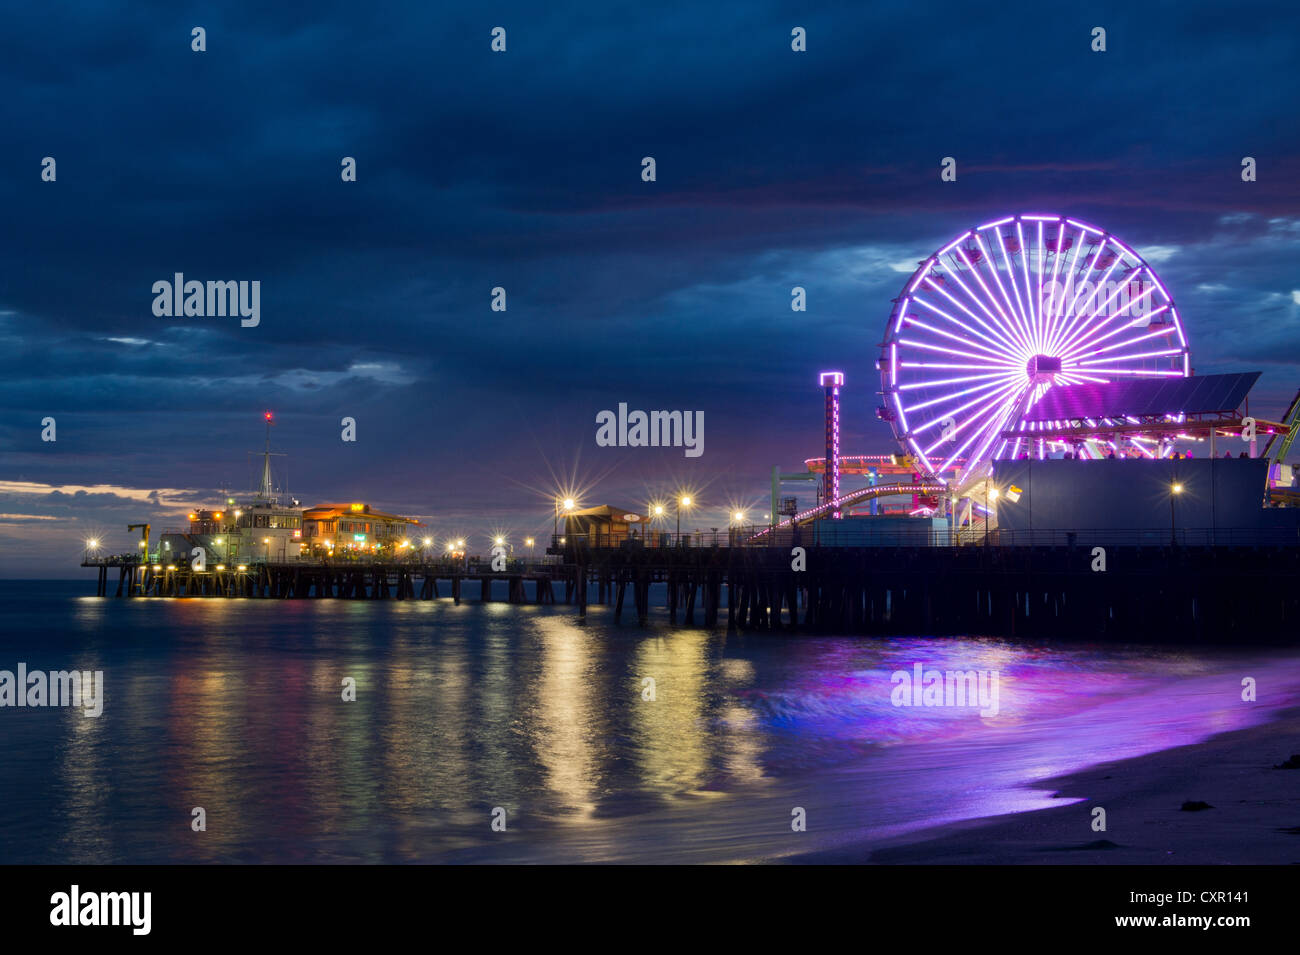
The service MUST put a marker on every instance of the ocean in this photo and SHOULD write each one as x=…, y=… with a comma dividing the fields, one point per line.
x=503, y=733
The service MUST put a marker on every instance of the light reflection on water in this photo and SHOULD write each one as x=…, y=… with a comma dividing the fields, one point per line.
x=235, y=706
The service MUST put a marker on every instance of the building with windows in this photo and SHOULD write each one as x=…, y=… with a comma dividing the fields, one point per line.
x=355, y=526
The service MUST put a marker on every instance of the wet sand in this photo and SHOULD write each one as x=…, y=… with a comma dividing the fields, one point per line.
x=1255, y=817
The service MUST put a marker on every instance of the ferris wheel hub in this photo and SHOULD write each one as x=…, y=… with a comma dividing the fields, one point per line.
x=1043, y=368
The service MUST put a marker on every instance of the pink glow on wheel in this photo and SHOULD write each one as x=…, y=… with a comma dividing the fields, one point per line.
x=1004, y=313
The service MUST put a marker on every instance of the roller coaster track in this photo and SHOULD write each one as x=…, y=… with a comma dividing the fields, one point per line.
x=1283, y=441
x=855, y=497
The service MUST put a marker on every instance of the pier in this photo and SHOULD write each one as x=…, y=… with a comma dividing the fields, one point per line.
x=1049, y=587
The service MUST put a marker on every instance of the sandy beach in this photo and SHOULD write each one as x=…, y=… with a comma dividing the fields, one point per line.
x=1254, y=819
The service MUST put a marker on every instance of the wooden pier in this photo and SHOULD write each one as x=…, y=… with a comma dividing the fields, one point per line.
x=1174, y=593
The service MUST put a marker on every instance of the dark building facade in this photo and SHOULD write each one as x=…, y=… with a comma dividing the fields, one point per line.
x=1202, y=500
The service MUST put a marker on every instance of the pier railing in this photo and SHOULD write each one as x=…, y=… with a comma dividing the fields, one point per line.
x=860, y=534
x=417, y=562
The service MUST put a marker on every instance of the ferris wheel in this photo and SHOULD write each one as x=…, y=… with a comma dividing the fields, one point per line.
x=1004, y=313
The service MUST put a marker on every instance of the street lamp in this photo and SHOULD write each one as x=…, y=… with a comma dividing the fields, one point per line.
x=682, y=502
x=528, y=542
x=567, y=504
x=1174, y=490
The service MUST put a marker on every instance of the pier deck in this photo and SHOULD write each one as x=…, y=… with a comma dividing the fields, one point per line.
x=1145, y=593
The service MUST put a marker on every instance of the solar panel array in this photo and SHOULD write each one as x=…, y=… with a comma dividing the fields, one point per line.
x=1200, y=394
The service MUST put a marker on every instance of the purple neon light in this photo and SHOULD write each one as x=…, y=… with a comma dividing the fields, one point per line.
x=831, y=477
x=921, y=273
x=966, y=349
x=948, y=248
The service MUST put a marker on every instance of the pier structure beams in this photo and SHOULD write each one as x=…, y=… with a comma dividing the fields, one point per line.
x=1224, y=594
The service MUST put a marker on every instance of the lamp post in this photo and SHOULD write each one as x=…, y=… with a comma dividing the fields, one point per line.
x=737, y=521
x=1174, y=490
x=684, y=501
x=990, y=494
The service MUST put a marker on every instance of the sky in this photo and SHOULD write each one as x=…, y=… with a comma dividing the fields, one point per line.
x=522, y=170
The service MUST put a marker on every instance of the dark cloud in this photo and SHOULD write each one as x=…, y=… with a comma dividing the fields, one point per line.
x=479, y=170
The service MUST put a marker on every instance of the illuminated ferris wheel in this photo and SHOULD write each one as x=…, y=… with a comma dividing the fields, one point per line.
x=1006, y=312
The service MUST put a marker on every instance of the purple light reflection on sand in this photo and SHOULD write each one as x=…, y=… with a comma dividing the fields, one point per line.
x=904, y=769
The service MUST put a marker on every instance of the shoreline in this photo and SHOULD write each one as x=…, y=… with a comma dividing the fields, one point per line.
x=1254, y=819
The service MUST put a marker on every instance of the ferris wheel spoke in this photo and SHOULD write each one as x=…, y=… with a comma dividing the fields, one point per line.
x=917, y=323
x=1009, y=312
x=1058, y=311
x=1038, y=276
x=949, y=396
x=991, y=431
x=992, y=411
x=1022, y=304
x=912, y=386
x=1004, y=341
x=941, y=364
x=1029, y=291
x=947, y=350
x=949, y=413
x=1083, y=309
x=1080, y=341
x=1092, y=348
x=1009, y=337
x=996, y=346
x=1058, y=255
x=1163, y=353
x=1069, y=312
x=985, y=401
x=1015, y=289
x=1142, y=372
x=1090, y=326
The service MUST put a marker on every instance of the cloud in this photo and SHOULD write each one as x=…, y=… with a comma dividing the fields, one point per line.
x=523, y=171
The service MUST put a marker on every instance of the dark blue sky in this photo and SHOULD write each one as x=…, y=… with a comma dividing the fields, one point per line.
x=522, y=170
